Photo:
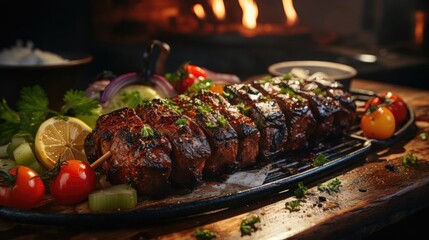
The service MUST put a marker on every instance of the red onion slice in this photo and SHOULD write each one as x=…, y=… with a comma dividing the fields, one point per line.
x=163, y=86
x=117, y=84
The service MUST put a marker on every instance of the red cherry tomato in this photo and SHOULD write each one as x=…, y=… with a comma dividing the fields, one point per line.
x=379, y=124
x=393, y=102
x=74, y=182
x=25, y=191
x=186, y=76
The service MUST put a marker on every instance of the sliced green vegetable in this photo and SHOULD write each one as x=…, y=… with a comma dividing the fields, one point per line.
x=113, y=198
x=14, y=143
x=24, y=155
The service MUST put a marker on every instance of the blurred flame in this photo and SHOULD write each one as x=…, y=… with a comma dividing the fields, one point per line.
x=290, y=13
x=419, y=27
x=250, y=13
x=199, y=11
x=218, y=7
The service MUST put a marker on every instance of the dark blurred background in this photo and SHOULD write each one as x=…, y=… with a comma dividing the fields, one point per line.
x=386, y=40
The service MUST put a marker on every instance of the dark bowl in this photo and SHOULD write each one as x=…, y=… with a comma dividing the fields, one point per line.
x=339, y=72
x=55, y=79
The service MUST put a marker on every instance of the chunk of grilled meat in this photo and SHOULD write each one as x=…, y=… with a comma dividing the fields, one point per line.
x=335, y=90
x=142, y=160
x=98, y=142
x=221, y=136
x=248, y=133
x=327, y=111
x=299, y=118
x=190, y=146
x=267, y=116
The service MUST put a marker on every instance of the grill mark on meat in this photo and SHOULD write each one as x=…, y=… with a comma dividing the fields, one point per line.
x=190, y=148
x=143, y=162
x=248, y=133
x=267, y=116
x=222, y=137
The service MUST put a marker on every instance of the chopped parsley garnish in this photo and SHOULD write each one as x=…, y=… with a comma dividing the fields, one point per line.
x=205, y=234
x=301, y=191
x=222, y=120
x=330, y=187
x=423, y=136
x=171, y=104
x=228, y=95
x=211, y=124
x=147, y=131
x=319, y=91
x=243, y=109
x=291, y=93
x=293, y=205
x=409, y=160
x=203, y=109
x=248, y=225
x=182, y=122
x=320, y=160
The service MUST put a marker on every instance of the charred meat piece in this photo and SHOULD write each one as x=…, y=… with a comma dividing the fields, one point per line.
x=98, y=142
x=248, y=133
x=267, y=116
x=335, y=90
x=190, y=148
x=300, y=121
x=140, y=157
x=221, y=136
x=326, y=110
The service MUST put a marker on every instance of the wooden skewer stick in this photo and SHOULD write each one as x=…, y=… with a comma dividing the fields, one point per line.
x=99, y=161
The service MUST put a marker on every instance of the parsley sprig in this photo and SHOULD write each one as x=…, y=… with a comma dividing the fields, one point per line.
x=249, y=225
x=33, y=109
x=330, y=187
x=205, y=234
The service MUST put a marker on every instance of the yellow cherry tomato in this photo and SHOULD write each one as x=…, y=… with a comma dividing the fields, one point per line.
x=379, y=124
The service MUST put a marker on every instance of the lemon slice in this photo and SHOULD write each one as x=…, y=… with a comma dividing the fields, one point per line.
x=60, y=139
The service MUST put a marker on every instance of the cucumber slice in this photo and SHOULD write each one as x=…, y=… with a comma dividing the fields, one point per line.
x=3, y=151
x=117, y=197
x=7, y=164
x=14, y=143
x=24, y=155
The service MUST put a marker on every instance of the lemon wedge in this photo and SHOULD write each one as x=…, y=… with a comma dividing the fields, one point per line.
x=60, y=139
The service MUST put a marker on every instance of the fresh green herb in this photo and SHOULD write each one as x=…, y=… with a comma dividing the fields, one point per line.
x=222, y=120
x=76, y=102
x=293, y=205
x=205, y=234
x=423, y=136
x=211, y=124
x=330, y=187
x=409, y=160
x=198, y=86
x=171, y=104
x=182, y=122
x=204, y=109
x=243, y=109
x=248, y=225
x=286, y=90
x=301, y=191
x=132, y=99
x=147, y=131
x=265, y=79
x=320, y=160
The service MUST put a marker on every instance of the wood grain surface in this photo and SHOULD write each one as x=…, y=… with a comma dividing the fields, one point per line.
x=371, y=197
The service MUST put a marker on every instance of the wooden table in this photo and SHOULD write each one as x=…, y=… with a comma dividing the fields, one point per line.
x=371, y=197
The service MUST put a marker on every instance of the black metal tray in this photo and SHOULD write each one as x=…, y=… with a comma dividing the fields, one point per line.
x=284, y=174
